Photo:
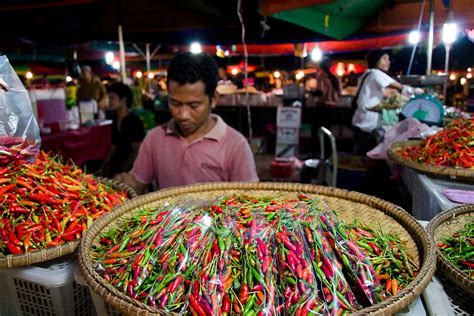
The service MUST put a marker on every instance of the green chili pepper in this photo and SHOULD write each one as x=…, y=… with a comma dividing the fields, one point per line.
x=124, y=244
x=258, y=276
x=249, y=304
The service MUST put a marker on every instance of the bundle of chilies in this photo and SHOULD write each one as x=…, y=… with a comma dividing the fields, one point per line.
x=451, y=147
x=48, y=203
x=16, y=148
x=459, y=248
x=248, y=255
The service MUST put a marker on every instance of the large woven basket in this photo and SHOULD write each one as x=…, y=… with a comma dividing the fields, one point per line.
x=394, y=153
x=445, y=224
x=50, y=253
x=350, y=205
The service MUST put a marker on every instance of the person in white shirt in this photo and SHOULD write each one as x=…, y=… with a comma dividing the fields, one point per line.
x=370, y=94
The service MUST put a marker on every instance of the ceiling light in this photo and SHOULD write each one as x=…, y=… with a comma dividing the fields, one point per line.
x=414, y=37
x=116, y=65
x=195, y=48
x=109, y=58
x=317, y=54
x=450, y=31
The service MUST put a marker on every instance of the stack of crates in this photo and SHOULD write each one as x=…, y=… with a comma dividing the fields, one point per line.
x=44, y=289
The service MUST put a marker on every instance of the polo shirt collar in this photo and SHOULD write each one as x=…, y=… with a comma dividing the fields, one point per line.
x=216, y=133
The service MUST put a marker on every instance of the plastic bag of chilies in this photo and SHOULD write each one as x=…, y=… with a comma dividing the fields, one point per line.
x=19, y=131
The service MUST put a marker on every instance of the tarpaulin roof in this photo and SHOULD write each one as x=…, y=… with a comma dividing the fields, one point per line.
x=336, y=19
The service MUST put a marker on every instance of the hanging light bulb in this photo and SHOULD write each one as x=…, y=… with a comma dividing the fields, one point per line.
x=116, y=65
x=414, y=37
x=469, y=76
x=450, y=32
x=452, y=77
x=29, y=75
x=109, y=58
x=462, y=81
x=139, y=74
x=299, y=75
x=277, y=74
x=68, y=78
x=151, y=75
x=234, y=71
x=317, y=54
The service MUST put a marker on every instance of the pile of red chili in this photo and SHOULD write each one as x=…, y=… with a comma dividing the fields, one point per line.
x=451, y=147
x=48, y=203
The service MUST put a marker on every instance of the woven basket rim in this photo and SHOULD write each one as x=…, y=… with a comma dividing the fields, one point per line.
x=441, y=171
x=13, y=261
x=392, y=305
x=453, y=273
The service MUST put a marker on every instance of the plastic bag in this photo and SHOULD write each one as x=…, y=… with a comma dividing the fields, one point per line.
x=19, y=131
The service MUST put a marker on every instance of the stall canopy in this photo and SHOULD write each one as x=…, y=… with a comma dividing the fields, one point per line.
x=336, y=19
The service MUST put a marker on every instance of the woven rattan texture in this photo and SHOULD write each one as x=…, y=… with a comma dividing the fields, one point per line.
x=350, y=205
x=444, y=225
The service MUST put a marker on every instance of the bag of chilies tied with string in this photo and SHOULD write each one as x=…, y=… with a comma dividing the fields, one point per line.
x=19, y=131
x=342, y=253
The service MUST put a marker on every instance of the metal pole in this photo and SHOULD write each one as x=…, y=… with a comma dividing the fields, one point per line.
x=446, y=69
x=122, y=55
x=429, y=52
x=148, y=58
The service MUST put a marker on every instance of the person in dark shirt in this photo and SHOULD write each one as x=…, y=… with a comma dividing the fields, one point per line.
x=127, y=130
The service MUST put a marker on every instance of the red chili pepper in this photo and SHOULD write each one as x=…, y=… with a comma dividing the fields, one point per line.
x=216, y=209
x=244, y=293
x=225, y=304
x=14, y=249
x=196, y=306
x=174, y=285
x=468, y=264
x=374, y=248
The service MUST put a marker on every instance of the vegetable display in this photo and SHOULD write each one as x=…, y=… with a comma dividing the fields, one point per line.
x=48, y=203
x=458, y=249
x=245, y=255
x=451, y=147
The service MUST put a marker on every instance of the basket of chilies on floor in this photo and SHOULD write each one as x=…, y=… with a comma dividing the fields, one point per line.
x=47, y=205
x=256, y=249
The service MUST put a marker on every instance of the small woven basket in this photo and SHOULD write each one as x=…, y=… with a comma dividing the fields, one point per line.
x=349, y=205
x=50, y=253
x=394, y=153
x=445, y=224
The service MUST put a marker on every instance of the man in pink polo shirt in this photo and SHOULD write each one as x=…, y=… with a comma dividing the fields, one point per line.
x=194, y=146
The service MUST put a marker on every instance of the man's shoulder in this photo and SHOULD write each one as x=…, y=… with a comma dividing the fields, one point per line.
x=233, y=135
x=157, y=132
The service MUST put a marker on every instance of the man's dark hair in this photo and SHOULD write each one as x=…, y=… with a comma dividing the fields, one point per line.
x=122, y=90
x=190, y=68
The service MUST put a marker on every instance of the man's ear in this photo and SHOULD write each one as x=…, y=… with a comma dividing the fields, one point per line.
x=214, y=100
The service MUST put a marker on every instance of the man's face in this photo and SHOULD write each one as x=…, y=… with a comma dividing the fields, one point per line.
x=114, y=101
x=189, y=106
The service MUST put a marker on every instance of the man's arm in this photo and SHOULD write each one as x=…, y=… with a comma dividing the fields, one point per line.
x=130, y=180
